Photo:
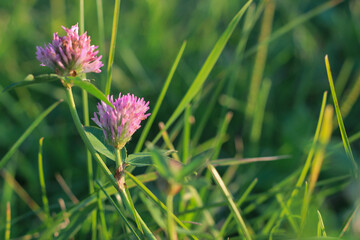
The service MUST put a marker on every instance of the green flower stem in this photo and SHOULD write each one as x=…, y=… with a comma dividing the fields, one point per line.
x=118, y=159
x=83, y=136
x=120, y=178
x=100, y=162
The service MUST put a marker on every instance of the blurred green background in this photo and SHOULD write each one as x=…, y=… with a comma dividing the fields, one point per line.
x=150, y=34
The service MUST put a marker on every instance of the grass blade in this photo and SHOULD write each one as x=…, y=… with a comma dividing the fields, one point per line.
x=65, y=187
x=160, y=99
x=37, y=121
x=23, y=194
x=221, y=135
x=321, y=227
x=288, y=214
x=347, y=225
x=259, y=112
x=100, y=18
x=76, y=222
x=312, y=150
x=343, y=76
x=127, y=193
x=307, y=165
x=8, y=221
x=205, y=117
x=233, y=161
x=172, y=235
x=205, y=69
x=168, y=141
x=259, y=65
x=118, y=210
x=340, y=120
x=42, y=180
x=351, y=97
x=324, y=138
x=112, y=46
x=235, y=211
x=238, y=204
x=156, y=200
x=186, y=136
x=85, y=101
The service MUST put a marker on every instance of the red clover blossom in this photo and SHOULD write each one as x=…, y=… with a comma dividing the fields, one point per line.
x=71, y=54
x=119, y=124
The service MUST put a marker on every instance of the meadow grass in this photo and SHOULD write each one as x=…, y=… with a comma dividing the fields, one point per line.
x=243, y=141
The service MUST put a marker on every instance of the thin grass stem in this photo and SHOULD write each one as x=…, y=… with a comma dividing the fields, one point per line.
x=112, y=46
x=23, y=195
x=186, y=136
x=118, y=210
x=160, y=99
x=66, y=188
x=238, y=205
x=259, y=65
x=168, y=142
x=85, y=102
x=157, y=201
x=170, y=223
x=344, y=76
x=344, y=136
x=205, y=70
x=8, y=221
x=27, y=132
x=42, y=181
x=230, y=201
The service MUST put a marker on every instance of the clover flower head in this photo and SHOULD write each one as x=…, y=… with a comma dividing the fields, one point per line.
x=119, y=124
x=71, y=54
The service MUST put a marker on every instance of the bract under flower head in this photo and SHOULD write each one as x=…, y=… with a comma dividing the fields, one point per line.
x=119, y=124
x=71, y=54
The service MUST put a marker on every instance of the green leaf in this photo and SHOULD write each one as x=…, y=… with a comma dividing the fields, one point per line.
x=192, y=166
x=204, y=72
x=96, y=138
x=89, y=87
x=37, y=121
x=144, y=158
x=31, y=79
x=161, y=163
x=139, y=159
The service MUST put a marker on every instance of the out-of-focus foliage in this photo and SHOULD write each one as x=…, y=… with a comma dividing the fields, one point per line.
x=150, y=34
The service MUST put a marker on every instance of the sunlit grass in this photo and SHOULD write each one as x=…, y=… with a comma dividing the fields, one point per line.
x=243, y=141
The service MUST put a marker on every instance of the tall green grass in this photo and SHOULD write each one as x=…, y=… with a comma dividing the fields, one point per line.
x=235, y=147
